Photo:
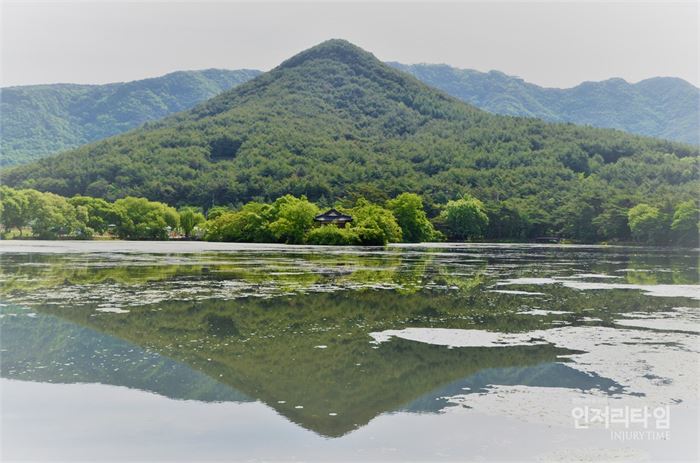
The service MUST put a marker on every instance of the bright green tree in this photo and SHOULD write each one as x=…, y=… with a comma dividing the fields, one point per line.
x=464, y=218
x=144, y=219
x=190, y=217
x=411, y=217
x=685, y=223
x=293, y=218
x=250, y=224
x=217, y=211
x=374, y=224
x=101, y=215
x=16, y=212
x=332, y=235
x=647, y=224
x=54, y=217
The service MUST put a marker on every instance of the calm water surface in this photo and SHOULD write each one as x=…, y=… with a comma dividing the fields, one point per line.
x=195, y=351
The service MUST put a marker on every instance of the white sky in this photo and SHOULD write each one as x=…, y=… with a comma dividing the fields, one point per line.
x=557, y=44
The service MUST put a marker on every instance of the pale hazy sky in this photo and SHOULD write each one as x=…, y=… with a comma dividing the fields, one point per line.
x=558, y=44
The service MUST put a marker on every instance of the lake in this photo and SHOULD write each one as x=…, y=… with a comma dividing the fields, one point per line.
x=194, y=351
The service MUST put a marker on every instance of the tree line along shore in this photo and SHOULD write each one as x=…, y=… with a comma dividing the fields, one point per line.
x=28, y=213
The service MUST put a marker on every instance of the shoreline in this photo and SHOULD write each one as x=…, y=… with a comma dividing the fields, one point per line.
x=180, y=246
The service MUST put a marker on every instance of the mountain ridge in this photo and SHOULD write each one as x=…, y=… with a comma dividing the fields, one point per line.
x=39, y=120
x=43, y=119
x=339, y=124
x=662, y=107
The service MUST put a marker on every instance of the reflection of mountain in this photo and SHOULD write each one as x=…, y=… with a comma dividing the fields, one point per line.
x=271, y=350
x=542, y=375
x=63, y=352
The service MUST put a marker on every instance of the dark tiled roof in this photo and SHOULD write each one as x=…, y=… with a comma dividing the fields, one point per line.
x=332, y=216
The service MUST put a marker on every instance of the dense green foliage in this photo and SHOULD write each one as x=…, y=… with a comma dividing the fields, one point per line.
x=51, y=216
x=14, y=206
x=663, y=107
x=374, y=224
x=685, y=223
x=464, y=219
x=655, y=225
x=38, y=120
x=287, y=220
x=190, y=218
x=646, y=223
x=247, y=225
x=144, y=219
x=333, y=236
x=99, y=214
x=291, y=220
x=409, y=213
x=335, y=124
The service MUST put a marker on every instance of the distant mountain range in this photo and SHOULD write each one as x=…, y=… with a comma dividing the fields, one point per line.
x=662, y=107
x=38, y=120
x=333, y=122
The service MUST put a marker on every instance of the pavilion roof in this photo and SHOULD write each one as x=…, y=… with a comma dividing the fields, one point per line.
x=333, y=215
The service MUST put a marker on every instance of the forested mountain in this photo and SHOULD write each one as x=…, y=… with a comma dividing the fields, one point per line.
x=333, y=122
x=38, y=120
x=663, y=107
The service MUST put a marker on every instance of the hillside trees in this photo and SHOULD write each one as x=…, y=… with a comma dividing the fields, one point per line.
x=612, y=223
x=508, y=220
x=335, y=124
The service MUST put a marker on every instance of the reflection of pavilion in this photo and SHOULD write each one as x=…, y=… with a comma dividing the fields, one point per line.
x=341, y=387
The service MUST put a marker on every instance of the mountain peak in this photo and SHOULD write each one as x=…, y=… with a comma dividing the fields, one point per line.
x=333, y=49
x=332, y=121
x=338, y=75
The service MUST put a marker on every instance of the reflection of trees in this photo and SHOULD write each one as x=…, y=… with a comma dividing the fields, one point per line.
x=677, y=270
x=64, y=352
x=670, y=266
x=27, y=278
x=267, y=349
x=466, y=280
x=23, y=274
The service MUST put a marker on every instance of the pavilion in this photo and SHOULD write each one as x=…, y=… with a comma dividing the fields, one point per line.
x=333, y=217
